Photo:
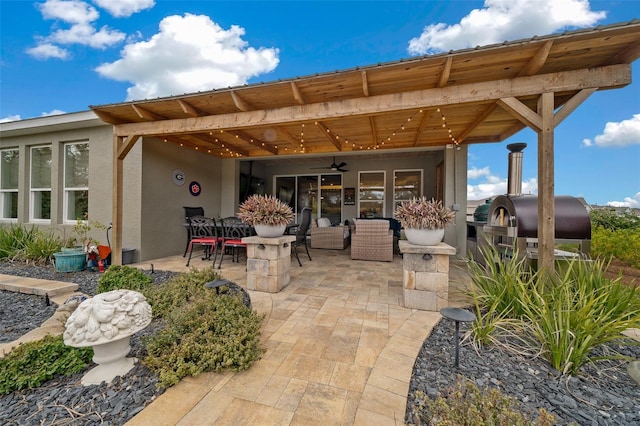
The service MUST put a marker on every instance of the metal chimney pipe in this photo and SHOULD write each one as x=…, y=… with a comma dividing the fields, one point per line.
x=514, y=178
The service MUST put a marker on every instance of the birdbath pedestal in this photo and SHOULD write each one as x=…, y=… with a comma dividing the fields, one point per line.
x=106, y=322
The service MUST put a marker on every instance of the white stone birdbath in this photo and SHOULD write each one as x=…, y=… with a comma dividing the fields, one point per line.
x=106, y=322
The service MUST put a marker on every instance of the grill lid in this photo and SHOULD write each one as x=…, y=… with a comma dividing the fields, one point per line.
x=571, y=216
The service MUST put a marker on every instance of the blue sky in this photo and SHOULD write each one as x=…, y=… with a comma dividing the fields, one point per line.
x=60, y=56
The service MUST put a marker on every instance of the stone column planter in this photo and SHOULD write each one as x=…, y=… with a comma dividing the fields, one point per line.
x=425, y=271
x=268, y=263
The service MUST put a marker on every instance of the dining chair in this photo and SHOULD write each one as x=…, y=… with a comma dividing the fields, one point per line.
x=233, y=230
x=190, y=212
x=301, y=234
x=203, y=231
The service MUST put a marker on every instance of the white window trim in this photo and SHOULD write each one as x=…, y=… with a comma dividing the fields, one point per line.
x=33, y=190
x=397, y=202
x=384, y=190
x=7, y=191
x=65, y=189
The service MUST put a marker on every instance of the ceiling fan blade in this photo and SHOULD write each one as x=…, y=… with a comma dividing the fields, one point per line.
x=341, y=165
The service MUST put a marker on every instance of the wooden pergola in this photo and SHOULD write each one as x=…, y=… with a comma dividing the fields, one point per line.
x=479, y=95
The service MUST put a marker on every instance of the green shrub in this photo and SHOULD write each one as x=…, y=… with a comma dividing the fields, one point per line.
x=465, y=404
x=568, y=313
x=613, y=220
x=621, y=244
x=31, y=364
x=17, y=242
x=118, y=277
x=180, y=291
x=212, y=332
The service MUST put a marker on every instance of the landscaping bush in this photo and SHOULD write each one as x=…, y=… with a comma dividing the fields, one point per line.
x=118, y=277
x=616, y=235
x=204, y=330
x=466, y=404
x=567, y=313
x=31, y=364
x=19, y=243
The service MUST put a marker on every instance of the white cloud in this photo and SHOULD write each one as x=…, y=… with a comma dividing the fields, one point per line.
x=48, y=50
x=124, y=8
x=81, y=17
x=475, y=173
x=633, y=202
x=52, y=112
x=495, y=185
x=501, y=20
x=623, y=133
x=190, y=53
x=10, y=118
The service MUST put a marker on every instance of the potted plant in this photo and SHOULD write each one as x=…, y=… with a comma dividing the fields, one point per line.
x=267, y=214
x=424, y=220
x=79, y=248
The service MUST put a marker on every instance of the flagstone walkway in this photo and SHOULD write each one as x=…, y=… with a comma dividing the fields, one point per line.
x=340, y=349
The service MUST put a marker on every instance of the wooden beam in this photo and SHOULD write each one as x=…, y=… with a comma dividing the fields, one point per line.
x=511, y=131
x=479, y=119
x=421, y=126
x=187, y=108
x=297, y=95
x=327, y=133
x=446, y=72
x=116, y=201
x=126, y=145
x=537, y=61
x=145, y=114
x=571, y=105
x=603, y=77
x=521, y=112
x=214, y=141
x=365, y=84
x=238, y=134
x=240, y=103
x=629, y=55
x=372, y=129
x=546, y=185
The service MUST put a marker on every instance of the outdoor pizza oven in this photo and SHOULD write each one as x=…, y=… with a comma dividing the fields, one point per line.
x=512, y=219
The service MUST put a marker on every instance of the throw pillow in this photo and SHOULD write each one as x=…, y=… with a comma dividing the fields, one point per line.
x=323, y=222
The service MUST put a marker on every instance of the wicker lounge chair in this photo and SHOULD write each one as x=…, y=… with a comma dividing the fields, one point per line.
x=372, y=240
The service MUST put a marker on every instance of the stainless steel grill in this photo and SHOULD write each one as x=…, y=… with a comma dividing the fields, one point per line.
x=512, y=225
x=512, y=221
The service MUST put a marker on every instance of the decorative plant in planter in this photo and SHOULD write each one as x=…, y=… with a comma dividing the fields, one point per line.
x=262, y=211
x=80, y=249
x=419, y=215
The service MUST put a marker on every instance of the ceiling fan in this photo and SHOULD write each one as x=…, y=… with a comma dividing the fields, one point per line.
x=334, y=166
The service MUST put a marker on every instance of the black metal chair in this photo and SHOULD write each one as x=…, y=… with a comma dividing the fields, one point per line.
x=301, y=234
x=190, y=212
x=203, y=231
x=233, y=230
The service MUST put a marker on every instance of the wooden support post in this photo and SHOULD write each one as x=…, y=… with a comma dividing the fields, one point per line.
x=546, y=184
x=116, y=215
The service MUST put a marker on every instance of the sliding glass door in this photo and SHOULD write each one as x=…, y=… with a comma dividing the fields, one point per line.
x=322, y=193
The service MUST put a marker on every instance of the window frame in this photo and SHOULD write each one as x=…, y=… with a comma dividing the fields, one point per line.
x=4, y=191
x=33, y=190
x=397, y=201
x=382, y=201
x=67, y=190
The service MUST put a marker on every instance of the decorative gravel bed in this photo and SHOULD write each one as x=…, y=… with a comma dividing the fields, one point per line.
x=602, y=395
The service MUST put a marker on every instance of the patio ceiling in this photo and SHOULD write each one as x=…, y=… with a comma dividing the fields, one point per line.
x=467, y=96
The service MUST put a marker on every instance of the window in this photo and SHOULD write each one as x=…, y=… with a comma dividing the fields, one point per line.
x=302, y=191
x=371, y=194
x=9, y=184
x=40, y=206
x=76, y=181
x=407, y=184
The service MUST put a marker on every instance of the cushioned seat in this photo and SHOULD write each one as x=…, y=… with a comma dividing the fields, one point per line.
x=329, y=237
x=372, y=239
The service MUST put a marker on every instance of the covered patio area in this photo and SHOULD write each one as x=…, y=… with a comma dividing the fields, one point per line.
x=340, y=347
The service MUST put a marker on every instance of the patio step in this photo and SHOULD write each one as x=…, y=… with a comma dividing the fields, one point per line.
x=35, y=286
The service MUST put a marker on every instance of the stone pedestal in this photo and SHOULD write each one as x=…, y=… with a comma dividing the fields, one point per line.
x=425, y=275
x=268, y=263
